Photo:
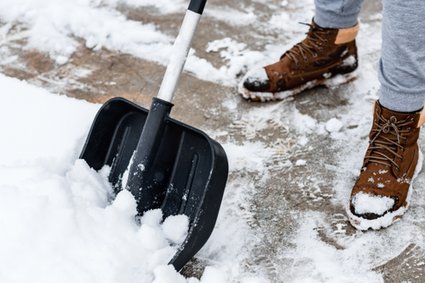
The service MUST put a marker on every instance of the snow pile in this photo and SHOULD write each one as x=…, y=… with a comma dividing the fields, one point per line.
x=62, y=228
x=39, y=127
x=60, y=219
x=50, y=29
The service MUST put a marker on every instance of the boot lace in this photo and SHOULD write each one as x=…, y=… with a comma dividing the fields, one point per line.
x=387, y=136
x=309, y=46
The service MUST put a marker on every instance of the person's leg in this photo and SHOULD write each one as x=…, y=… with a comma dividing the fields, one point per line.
x=329, y=50
x=402, y=66
x=393, y=159
x=337, y=14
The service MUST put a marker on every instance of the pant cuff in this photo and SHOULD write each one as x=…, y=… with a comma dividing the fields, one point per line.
x=399, y=102
x=330, y=19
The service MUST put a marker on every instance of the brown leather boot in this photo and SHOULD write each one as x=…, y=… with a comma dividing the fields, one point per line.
x=382, y=192
x=317, y=60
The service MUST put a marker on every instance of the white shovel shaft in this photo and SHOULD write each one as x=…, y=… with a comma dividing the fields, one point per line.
x=178, y=57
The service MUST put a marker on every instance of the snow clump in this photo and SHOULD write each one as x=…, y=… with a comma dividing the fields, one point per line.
x=333, y=125
x=367, y=203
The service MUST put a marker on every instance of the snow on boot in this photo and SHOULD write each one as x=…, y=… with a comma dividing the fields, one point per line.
x=383, y=189
x=325, y=57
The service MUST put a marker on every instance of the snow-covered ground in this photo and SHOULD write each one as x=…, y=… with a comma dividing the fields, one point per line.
x=59, y=220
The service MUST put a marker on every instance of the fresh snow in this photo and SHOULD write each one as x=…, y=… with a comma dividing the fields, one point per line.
x=31, y=116
x=175, y=228
x=60, y=219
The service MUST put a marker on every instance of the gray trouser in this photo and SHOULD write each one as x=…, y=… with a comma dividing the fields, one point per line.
x=402, y=64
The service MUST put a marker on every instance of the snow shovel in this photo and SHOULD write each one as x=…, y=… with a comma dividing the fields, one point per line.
x=163, y=162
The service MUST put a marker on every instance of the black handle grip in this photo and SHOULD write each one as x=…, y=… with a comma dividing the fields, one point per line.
x=197, y=6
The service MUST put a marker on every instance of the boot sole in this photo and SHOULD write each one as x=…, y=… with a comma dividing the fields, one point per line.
x=332, y=82
x=389, y=218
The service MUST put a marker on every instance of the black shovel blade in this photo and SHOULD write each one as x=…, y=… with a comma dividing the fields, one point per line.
x=188, y=174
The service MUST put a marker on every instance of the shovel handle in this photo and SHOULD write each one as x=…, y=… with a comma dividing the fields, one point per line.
x=181, y=49
x=197, y=6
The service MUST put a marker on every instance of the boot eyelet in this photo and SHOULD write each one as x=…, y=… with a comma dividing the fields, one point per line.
x=393, y=119
x=315, y=55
